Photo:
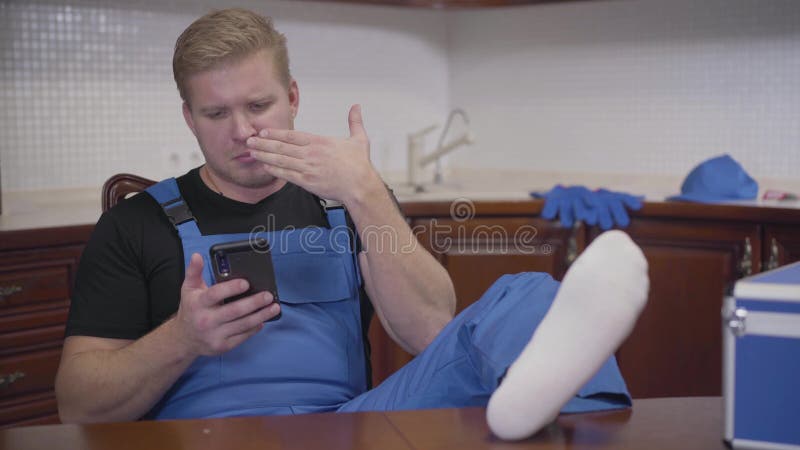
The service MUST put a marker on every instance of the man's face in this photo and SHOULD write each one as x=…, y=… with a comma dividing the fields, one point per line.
x=230, y=103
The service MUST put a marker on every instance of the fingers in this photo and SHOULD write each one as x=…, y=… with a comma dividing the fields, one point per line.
x=244, y=306
x=220, y=291
x=354, y=119
x=279, y=160
x=585, y=207
x=618, y=213
x=565, y=213
x=274, y=146
x=552, y=201
x=604, y=218
x=221, y=328
x=194, y=273
x=356, y=123
x=293, y=137
x=585, y=212
x=250, y=321
x=550, y=209
x=632, y=202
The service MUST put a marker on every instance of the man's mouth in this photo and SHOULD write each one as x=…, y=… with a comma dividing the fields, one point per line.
x=244, y=157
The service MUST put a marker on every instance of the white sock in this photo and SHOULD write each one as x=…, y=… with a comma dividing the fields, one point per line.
x=594, y=311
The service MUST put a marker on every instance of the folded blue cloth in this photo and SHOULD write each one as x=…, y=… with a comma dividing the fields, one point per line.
x=601, y=207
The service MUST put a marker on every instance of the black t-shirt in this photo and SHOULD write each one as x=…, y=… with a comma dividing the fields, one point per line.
x=132, y=268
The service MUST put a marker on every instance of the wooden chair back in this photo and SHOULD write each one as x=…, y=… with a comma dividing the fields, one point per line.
x=121, y=186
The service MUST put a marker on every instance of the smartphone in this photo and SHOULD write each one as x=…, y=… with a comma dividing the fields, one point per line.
x=246, y=259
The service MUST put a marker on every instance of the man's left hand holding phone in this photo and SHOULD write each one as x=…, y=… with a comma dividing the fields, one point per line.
x=247, y=260
x=215, y=319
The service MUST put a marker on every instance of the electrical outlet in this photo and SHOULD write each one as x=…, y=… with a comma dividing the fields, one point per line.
x=195, y=158
x=174, y=160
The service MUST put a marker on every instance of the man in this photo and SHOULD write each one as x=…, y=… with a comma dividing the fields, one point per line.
x=146, y=338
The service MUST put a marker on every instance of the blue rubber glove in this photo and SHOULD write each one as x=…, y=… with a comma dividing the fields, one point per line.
x=610, y=208
x=602, y=207
x=568, y=204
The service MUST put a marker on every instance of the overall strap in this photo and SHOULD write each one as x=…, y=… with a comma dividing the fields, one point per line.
x=337, y=218
x=168, y=195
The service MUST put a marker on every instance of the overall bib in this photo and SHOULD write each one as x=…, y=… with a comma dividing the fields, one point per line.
x=311, y=359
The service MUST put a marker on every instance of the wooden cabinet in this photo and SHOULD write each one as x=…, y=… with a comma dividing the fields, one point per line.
x=35, y=288
x=479, y=250
x=675, y=348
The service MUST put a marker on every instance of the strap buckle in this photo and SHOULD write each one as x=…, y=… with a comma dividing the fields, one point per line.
x=331, y=204
x=177, y=211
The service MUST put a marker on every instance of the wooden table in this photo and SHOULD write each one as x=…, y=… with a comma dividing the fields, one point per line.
x=653, y=424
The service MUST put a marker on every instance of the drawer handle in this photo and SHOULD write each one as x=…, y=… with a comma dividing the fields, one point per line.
x=746, y=263
x=572, y=247
x=773, y=255
x=7, y=291
x=7, y=380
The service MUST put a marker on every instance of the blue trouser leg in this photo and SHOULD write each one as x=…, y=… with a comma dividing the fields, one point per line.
x=467, y=360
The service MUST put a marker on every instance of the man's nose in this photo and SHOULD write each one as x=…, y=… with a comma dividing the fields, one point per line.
x=243, y=128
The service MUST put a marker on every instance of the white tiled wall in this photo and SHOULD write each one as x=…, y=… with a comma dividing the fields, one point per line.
x=87, y=91
x=634, y=86
x=647, y=87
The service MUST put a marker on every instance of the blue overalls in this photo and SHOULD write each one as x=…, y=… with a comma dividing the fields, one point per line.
x=312, y=358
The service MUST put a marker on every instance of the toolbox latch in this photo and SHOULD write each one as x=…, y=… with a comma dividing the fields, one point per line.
x=737, y=321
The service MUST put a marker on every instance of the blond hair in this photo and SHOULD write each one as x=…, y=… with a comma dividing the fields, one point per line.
x=224, y=36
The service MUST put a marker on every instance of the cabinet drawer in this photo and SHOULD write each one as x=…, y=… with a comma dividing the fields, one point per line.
x=37, y=409
x=29, y=288
x=31, y=372
x=31, y=339
x=11, y=323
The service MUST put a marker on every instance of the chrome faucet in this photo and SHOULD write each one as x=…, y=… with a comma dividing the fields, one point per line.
x=467, y=137
x=416, y=162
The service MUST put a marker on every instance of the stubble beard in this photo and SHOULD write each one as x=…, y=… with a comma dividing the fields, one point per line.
x=251, y=179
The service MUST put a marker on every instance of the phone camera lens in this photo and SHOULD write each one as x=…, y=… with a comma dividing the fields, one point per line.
x=222, y=264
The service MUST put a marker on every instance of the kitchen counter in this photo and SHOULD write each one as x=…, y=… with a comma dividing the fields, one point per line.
x=24, y=210
x=511, y=185
x=64, y=207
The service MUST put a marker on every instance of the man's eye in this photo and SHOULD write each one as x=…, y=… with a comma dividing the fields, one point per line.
x=215, y=115
x=259, y=106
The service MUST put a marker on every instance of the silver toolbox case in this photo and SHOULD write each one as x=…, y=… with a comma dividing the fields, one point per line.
x=761, y=361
